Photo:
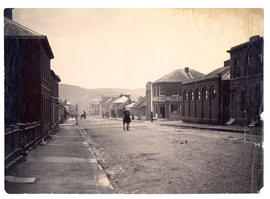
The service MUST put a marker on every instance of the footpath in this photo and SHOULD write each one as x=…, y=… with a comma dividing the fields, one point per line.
x=224, y=128
x=65, y=164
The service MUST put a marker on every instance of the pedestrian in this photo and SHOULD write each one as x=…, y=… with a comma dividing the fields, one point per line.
x=126, y=120
x=151, y=116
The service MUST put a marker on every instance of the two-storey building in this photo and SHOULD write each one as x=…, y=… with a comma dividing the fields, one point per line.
x=246, y=83
x=165, y=94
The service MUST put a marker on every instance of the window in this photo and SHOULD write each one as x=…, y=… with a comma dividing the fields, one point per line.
x=236, y=67
x=185, y=95
x=205, y=93
x=213, y=93
x=168, y=89
x=175, y=108
x=192, y=95
x=198, y=94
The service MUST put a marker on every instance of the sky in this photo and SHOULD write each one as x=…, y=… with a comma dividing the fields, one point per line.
x=126, y=48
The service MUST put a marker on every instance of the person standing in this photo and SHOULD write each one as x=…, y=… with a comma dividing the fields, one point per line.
x=126, y=120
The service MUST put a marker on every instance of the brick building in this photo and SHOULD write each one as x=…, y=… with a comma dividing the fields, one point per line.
x=165, y=94
x=246, y=84
x=206, y=100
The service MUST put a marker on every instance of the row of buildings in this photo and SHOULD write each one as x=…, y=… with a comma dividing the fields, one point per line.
x=230, y=94
x=113, y=106
x=31, y=86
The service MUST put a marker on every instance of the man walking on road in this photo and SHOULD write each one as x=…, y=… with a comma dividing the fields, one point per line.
x=126, y=120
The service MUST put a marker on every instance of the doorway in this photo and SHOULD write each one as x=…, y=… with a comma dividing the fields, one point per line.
x=162, y=111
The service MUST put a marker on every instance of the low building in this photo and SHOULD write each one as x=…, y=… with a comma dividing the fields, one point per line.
x=109, y=111
x=119, y=104
x=140, y=109
x=206, y=100
x=165, y=94
x=246, y=84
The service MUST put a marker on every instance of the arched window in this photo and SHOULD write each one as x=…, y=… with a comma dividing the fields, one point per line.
x=213, y=93
x=205, y=94
x=185, y=95
x=192, y=95
x=198, y=94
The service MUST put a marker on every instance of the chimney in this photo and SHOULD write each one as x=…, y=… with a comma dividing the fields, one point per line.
x=186, y=69
x=8, y=13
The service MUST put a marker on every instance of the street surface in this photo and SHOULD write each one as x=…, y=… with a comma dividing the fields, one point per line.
x=163, y=159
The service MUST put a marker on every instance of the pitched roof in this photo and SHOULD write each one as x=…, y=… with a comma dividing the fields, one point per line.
x=15, y=30
x=130, y=105
x=12, y=28
x=224, y=72
x=121, y=100
x=180, y=75
x=141, y=102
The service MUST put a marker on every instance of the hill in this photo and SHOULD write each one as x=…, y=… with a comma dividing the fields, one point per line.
x=83, y=97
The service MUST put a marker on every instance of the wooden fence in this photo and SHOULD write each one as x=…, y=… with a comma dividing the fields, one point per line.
x=19, y=139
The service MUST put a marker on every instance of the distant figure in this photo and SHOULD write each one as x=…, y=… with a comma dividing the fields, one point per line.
x=83, y=115
x=152, y=116
x=126, y=120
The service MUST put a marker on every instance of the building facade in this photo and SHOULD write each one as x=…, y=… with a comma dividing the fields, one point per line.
x=165, y=94
x=246, y=83
x=28, y=97
x=55, y=104
x=206, y=100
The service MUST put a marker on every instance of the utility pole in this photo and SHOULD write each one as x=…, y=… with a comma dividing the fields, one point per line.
x=76, y=114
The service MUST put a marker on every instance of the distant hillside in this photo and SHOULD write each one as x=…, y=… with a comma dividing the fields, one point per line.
x=83, y=97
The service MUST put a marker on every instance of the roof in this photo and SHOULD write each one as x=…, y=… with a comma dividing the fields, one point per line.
x=121, y=100
x=15, y=30
x=130, y=105
x=141, y=102
x=12, y=28
x=223, y=72
x=255, y=38
x=180, y=75
x=56, y=77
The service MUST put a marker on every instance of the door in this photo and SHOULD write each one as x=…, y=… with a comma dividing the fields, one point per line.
x=162, y=111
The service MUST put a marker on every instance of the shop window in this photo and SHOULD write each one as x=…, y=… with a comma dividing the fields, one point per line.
x=175, y=108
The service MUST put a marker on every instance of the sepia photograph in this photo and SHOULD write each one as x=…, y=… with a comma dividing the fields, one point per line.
x=133, y=100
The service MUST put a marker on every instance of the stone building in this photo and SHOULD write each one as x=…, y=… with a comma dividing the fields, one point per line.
x=165, y=94
x=206, y=100
x=246, y=84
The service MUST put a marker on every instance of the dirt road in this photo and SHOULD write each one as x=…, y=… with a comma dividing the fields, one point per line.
x=157, y=159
